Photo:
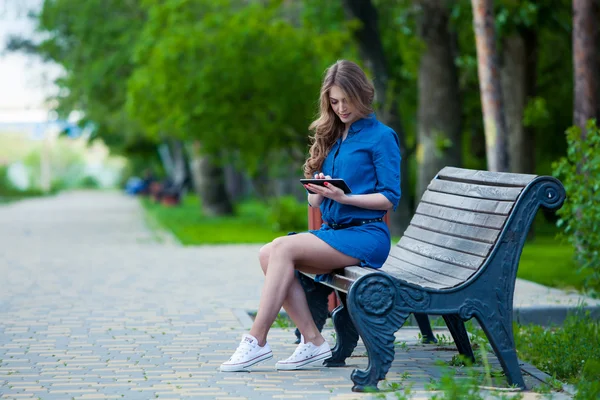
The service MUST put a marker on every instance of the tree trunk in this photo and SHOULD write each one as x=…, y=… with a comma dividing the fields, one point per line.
x=518, y=72
x=439, y=134
x=371, y=49
x=166, y=160
x=179, y=173
x=209, y=182
x=237, y=183
x=585, y=43
x=489, y=85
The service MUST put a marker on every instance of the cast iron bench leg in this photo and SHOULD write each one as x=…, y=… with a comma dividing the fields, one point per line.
x=318, y=303
x=346, y=335
x=499, y=332
x=372, y=307
x=460, y=336
x=425, y=327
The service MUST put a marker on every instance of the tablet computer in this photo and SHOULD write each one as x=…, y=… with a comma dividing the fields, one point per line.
x=340, y=183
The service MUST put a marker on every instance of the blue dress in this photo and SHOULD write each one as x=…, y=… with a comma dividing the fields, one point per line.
x=369, y=161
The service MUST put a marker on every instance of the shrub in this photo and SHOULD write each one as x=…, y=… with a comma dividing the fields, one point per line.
x=589, y=386
x=9, y=192
x=580, y=215
x=89, y=182
x=566, y=352
x=5, y=185
x=287, y=214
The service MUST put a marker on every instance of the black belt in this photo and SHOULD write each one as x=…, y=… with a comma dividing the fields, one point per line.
x=354, y=223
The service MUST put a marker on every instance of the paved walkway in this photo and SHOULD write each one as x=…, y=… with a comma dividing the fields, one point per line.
x=93, y=307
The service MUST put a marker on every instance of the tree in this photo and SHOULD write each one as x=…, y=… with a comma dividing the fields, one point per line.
x=489, y=83
x=518, y=69
x=93, y=41
x=239, y=78
x=585, y=46
x=439, y=132
x=372, y=52
x=523, y=29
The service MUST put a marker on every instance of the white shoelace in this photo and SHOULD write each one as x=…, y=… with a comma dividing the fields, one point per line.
x=243, y=349
x=302, y=347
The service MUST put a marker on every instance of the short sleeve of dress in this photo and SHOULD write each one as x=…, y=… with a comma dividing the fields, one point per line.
x=386, y=158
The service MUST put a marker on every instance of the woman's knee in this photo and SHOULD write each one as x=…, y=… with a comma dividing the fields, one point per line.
x=264, y=255
x=283, y=247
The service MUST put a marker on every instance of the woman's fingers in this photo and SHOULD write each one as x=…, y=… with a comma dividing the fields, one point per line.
x=318, y=189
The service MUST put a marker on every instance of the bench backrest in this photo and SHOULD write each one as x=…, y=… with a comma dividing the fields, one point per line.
x=455, y=227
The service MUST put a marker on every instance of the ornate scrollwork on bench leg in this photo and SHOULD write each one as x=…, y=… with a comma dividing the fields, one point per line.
x=346, y=335
x=373, y=303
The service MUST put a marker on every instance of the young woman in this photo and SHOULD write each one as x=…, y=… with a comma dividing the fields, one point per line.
x=348, y=143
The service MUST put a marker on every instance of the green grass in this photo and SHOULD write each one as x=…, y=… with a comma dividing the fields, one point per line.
x=569, y=353
x=12, y=196
x=186, y=222
x=548, y=261
x=565, y=351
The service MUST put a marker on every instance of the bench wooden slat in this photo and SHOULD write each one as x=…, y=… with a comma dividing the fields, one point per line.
x=455, y=229
x=451, y=242
x=338, y=281
x=421, y=261
x=464, y=217
x=356, y=272
x=485, y=177
x=477, y=191
x=397, y=263
x=439, y=253
x=415, y=278
x=468, y=203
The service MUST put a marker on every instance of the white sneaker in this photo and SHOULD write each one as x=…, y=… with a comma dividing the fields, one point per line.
x=247, y=354
x=305, y=354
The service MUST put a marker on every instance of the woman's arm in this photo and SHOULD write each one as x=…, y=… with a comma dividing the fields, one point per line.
x=315, y=200
x=372, y=201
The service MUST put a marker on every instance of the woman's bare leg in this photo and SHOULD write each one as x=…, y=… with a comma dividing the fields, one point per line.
x=295, y=303
x=304, y=249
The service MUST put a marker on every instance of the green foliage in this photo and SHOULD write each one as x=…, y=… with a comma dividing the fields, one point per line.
x=233, y=75
x=287, y=214
x=5, y=184
x=580, y=215
x=89, y=182
x=282, y=322
x=549, y=25
x=453, y=387
x=588, y=387
x=398, y=26
x=93, y=41
x=514, y=15
x=190, y=227
x=10, y=193
x=564, y=351
x=536, y=112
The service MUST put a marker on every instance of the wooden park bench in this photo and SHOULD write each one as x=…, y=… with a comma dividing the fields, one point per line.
x=458, y=259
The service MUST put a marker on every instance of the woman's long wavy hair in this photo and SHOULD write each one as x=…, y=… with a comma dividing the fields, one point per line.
x=328, y=127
